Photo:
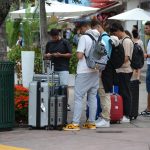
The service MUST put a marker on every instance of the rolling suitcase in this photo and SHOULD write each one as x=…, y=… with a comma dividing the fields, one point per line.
x=47, y=104
x=38, y=104
x=116, y=112
x=57, y=106
x=57, y=114
x=43, y=77
x=134, y=85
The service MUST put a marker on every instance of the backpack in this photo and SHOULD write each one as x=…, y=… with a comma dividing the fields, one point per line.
x=117, y=54
x=97, y=57
x=137, y=60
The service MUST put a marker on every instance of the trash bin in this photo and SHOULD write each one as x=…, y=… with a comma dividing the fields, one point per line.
x=7, y=112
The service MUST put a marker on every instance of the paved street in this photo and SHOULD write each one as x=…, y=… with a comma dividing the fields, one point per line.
x=127, y=136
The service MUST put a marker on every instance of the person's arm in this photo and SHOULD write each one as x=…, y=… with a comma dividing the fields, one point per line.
x=80, y=55
x=81, y=48
x=68, y=48
x=66, y=55
x=47, y=53
x=147, y=55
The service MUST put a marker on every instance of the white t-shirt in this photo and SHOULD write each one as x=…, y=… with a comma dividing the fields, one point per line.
x=84, y=45
x=148, y=52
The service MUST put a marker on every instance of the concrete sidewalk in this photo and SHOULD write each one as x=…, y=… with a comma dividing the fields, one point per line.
x=127, y=136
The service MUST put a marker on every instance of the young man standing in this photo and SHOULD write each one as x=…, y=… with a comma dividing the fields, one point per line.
x=124, y=73
x=87, y=81
x=59, y=51
x=106, y=79
x=146, y=112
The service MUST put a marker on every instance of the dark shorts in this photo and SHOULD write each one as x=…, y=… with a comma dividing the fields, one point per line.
x=148, y=79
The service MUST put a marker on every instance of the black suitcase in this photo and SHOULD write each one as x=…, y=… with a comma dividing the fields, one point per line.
x=57, y=115
x=134, y=85
x=57, y=105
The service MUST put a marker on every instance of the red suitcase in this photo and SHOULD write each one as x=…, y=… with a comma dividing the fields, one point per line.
x=116, y=112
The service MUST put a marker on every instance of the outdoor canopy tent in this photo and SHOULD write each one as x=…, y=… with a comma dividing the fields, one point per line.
x=57, y=9
x=132, y=15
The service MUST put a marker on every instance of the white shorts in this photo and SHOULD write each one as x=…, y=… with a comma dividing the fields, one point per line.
x=64, y=77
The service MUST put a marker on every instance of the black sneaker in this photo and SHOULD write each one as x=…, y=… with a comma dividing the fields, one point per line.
x=145, y=113
x=68, y=107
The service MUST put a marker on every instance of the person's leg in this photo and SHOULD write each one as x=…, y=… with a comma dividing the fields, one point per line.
x=106, y=106
x=64, y=79
x=124, y=91
x=105, y=102
x=148, y=87
x=81, y=87
x=146, y=112
x=93, y=83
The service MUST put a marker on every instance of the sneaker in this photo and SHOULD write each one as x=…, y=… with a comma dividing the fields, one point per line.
x=88, y=125
x=145, y=113
x=125, y=120
x=71, y=127
x=103, y=124
x=98, y=120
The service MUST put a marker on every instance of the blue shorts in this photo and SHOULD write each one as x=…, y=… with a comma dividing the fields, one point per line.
x=64, y=77
x=148, y=79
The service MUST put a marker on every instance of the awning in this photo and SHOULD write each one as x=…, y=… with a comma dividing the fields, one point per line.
x=103, y=3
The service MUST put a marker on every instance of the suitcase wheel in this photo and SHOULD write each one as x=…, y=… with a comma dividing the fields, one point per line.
x=30, y=127
x=59, y=128
x=49, y=128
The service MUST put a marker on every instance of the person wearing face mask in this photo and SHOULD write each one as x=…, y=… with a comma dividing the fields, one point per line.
x=86, y=81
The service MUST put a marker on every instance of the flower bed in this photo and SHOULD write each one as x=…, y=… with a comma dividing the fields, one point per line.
x=21, y=104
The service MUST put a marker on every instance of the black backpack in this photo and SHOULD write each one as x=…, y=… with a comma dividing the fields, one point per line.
x=137, y=60
x=117, y=55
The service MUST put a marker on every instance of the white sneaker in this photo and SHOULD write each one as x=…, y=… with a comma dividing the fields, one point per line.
x=103, y=123
x=98, y=120
x=125, y=120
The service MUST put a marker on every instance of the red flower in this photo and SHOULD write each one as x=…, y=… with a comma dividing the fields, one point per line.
x=21, y=102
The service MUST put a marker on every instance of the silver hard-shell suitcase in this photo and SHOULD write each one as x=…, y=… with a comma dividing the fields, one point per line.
x=43, y=77
x=38, y=104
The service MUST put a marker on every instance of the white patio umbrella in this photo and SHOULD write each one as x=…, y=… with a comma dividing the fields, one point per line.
x=57, y=9
x=133, y=15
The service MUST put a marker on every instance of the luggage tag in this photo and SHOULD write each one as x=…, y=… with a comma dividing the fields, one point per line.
x=43, y=109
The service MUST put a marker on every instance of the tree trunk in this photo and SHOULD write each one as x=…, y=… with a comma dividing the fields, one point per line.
x=3, y=45
x=43, y=25
x=4, y=10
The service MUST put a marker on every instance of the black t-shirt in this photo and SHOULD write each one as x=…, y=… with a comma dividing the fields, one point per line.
x=62, y=46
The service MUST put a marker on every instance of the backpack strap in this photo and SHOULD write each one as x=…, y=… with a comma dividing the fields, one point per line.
x=93, y=39
x=100, y=37
x=127, y=37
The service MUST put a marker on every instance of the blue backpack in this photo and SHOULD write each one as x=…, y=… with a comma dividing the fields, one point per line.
x=117, y=54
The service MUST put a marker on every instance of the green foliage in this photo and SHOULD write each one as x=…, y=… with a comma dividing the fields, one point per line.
x=73, y=62
x=12, y=31
x=14, y=55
